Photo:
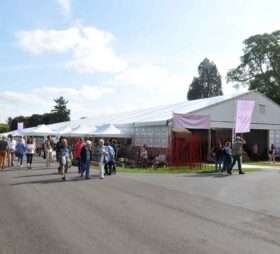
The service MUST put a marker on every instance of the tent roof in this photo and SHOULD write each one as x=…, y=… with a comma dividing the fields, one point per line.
x=40, y=130
x=109, y=123
x=154, y=114
x=81, y=130
x=110, y=130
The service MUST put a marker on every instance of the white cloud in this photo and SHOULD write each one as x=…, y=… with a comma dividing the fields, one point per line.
x=65, y=6
x=153, y=83
x=90, y=48
x=40, y=100
x=150, y=75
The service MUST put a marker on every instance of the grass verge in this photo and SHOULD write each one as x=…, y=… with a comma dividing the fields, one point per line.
x=205, y=169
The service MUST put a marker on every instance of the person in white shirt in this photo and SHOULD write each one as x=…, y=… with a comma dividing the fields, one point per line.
x=101, y=157
x=30, y=150
x=11, y=152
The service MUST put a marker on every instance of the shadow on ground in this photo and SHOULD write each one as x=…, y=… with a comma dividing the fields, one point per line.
x=56, y=180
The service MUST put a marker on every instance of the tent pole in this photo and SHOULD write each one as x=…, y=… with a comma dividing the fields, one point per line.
x=209, y=142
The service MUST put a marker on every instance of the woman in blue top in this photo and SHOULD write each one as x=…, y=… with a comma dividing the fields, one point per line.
x=20, y=150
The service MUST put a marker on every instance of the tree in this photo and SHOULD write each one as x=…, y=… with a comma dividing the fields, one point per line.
x=12, y=122
x=60, y=111
x=4, y=127
x=208, y=84
x=260, y=65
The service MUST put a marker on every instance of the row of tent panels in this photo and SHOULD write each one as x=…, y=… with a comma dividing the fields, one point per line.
x=107, y=130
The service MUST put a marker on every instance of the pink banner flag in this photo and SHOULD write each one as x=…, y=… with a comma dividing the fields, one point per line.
x=190, y=121
x=244, y=112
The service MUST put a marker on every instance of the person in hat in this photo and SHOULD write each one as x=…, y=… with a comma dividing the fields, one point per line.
x=237, y=149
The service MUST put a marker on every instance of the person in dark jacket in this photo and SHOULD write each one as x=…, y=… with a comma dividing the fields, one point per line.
x=219, y=156
x=227, y=156
x=86, y=155
x=59, y=152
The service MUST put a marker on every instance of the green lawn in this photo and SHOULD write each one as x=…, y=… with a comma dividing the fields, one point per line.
x=264, y=163
x=205, y=169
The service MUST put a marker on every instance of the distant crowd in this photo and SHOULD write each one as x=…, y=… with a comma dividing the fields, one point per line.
x=227, y=155
x=82, y=153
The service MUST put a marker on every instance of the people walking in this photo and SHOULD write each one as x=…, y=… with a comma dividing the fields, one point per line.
x=59, y=151
x=20, y=150
x=3, y=152
x=64, y=158
x=227, y=153
x=48, y=149
x=30, y=150
x=114, y=146
x=77, y=152
x=219, y=156
x=237, y=149
x=110, y=159
x=85, y=159
x=12, y=149
x=272, y=153
x=101, y=157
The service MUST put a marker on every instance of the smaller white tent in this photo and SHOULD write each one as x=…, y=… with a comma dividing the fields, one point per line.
x=41, y=130
x=64, y=131
x=81, y=130
x=110, y=130
x=16, y=133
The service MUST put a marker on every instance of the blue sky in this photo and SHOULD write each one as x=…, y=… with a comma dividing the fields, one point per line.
x=117, y=55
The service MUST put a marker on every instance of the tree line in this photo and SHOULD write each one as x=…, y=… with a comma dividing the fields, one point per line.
x=60, y=113
x=259, y=69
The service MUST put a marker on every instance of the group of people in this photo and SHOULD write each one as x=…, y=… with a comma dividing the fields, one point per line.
x=227, y=155
x=83, y=153
x=10, y=149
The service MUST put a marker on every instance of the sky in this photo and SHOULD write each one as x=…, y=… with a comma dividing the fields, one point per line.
x=109, y=56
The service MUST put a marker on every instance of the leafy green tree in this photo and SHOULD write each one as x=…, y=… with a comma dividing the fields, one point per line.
x=61, y=112
x=208, y=83
x=260, y=65
x=4, y=127
x=12, y=122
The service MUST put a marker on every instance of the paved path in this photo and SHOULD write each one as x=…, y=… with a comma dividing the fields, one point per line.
x=134, y=213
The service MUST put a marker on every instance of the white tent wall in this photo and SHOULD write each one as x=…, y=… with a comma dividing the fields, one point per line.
x=266, y=115
x=152, y=136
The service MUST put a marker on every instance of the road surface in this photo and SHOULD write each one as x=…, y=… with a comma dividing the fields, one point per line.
x=138, y=213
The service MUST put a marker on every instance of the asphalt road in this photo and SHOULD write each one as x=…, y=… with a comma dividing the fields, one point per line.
x=134, y=213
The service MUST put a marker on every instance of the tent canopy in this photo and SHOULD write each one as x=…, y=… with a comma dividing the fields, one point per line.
x=41, y=130
x=81, y=130
x=110, y=130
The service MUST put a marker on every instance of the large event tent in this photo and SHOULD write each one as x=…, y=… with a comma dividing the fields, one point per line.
x=153, y=126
